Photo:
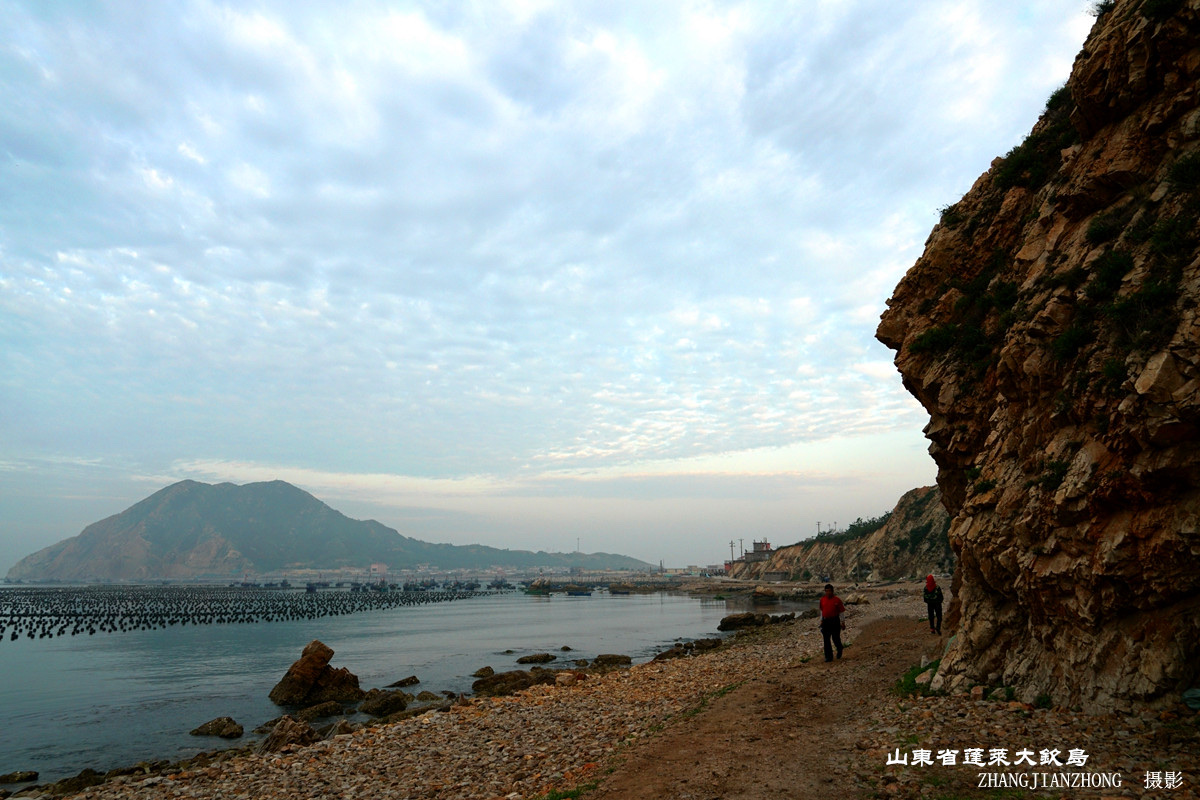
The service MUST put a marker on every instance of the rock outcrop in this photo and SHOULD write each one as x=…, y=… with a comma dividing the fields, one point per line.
x=288, y=732
x=310, y=680
x=911, y=543
x=1051, y=330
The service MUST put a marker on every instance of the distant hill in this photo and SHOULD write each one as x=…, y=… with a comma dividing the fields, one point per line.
x=194, y=530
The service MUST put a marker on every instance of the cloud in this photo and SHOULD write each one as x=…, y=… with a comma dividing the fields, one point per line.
x=448, y=241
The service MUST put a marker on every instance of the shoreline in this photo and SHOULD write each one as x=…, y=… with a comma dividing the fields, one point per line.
x=217, y=751
x=561, y=733
x=760, y=711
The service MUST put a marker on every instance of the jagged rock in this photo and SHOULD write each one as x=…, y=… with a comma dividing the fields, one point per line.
x=310, y=680
x=330, y=708
x=288, y=732
x=536, y=658
x=224, y=727
x=483, y=672
x=429, y=697
x=1050, y=329
x=380, y=703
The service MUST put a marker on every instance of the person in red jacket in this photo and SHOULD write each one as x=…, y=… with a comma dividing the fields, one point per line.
x=832, y=624
x=933, y=602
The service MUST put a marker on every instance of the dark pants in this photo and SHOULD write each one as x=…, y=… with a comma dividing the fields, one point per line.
x=831, y=631
x=935, y=616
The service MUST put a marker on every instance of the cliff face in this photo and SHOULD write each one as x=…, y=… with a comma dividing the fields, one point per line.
x=911, y=544
x=1050, y=329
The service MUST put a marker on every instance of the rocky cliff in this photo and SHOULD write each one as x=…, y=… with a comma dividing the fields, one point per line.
x=912, y=543
x=1050, y=329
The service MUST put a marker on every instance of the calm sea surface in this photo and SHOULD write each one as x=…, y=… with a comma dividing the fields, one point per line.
x=115, y=699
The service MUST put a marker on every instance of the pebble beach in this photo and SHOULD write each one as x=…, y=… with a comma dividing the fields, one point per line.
x=570, y=736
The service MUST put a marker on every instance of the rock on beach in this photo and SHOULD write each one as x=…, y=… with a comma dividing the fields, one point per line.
x=310, y=680
x=225, y=727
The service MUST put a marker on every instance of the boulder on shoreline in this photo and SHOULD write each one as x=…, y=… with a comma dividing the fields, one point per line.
x=381, y=703
x=411, y=680
x=684, y=649
x=310, y=680
x=483, y=672
x=330, y=708
x=287, y=732
x=536, y=658
x=503, y=683
x=24, y=776
x=751, y=620
x=340, y=728
x=225, y=727
x=608, y=660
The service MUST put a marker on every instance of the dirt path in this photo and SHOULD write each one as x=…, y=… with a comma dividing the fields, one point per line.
x=788, y=732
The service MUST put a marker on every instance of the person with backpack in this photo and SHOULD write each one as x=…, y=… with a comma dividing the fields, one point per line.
x=933, y=602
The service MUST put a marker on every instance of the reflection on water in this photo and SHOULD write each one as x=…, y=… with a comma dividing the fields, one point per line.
x=116, y=699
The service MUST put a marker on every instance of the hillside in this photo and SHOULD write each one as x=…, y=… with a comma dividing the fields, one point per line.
x=911, y=543
x=193, y=530
x=1050, y=328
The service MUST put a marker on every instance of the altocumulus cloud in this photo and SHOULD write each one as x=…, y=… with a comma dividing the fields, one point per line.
x=399, y=250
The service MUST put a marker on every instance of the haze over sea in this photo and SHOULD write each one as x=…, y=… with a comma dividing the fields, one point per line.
x=115, y=699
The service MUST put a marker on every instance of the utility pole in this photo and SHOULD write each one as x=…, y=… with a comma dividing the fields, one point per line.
x=818, y=527
x=741, y=546
x=732, y=557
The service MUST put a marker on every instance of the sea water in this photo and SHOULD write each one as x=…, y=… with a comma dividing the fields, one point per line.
x=116, y=699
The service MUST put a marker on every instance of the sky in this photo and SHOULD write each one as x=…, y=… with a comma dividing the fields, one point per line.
x=538, y=275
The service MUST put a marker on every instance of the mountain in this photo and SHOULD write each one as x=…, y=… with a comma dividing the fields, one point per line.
x=908, y=542
x=1051, y=329
x=191, y=530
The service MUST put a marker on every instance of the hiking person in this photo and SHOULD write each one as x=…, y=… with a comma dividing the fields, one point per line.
x=933, y=602
x=832, y=623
